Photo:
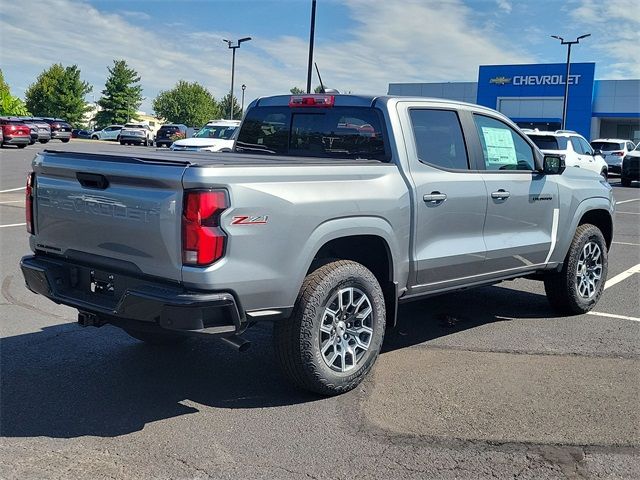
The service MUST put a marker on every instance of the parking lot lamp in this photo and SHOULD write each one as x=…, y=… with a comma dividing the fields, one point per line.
x=243, y=89
x=233, y=67
x=565, y=100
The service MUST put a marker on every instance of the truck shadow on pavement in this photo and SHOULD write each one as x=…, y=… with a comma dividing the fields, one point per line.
x=66, y=381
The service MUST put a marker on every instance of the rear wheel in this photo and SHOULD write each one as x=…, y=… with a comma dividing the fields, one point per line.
x=578, y=286
x=65, y=140
x=626, y=182
x=94, y=137
x=43, y=141
x=336, y=330
x=156, y=338
x=22, y=145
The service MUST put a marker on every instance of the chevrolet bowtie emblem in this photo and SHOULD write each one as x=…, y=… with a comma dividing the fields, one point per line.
x=500, y=80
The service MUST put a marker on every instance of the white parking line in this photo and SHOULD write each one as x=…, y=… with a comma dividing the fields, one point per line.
x=613, y=315
x=626, y=243
x=630, y=213
x=13, y=225
x=627, y=201
x=12, y=201
x=12, y=190
x=622, y=276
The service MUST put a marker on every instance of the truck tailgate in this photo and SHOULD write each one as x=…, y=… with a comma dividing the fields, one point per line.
x=112, y=211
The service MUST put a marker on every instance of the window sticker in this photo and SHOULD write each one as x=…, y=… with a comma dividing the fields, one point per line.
x=500, y=147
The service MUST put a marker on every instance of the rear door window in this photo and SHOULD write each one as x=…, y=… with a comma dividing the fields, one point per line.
x=439, y=139
x=549, y=142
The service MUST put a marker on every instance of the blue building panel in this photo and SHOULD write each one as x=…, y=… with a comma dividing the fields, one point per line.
x=523, y=81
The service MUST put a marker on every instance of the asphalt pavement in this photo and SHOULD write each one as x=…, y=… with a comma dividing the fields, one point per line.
x=477, y=384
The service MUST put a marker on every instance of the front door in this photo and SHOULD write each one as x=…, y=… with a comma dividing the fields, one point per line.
x=451, y=199
x=522, y=209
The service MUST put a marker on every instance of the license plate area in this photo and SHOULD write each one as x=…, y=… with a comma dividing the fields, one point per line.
x=102, y=283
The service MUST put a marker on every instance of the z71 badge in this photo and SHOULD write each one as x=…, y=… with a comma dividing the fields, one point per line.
x=249, y=220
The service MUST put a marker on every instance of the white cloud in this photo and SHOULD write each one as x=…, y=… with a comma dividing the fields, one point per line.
x=422, y=41
x=615, y=29
x=504, y=5
x=136, y=15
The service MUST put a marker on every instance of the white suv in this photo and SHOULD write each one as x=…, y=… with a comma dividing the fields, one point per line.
x=108, y=133
x=576, y=150
x=613, y=151
x=215, y=136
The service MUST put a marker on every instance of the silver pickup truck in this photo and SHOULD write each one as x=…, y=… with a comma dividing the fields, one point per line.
x=331, y=211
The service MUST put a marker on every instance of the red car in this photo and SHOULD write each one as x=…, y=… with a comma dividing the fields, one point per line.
x=14, y=132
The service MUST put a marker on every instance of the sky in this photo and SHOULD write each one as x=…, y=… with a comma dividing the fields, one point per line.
x=360, y=45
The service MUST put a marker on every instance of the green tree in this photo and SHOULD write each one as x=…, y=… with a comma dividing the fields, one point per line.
x=225, y=104
x=188, y=103
x=122, y=95
x=59, y=92
x=10, y=105
x=299, y=91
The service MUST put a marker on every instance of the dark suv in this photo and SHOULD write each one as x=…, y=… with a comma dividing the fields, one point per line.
x=170, y=133
x=38, y=126
x=60, y=129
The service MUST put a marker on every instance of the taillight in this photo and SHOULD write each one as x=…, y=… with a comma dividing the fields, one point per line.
x=28, y=204
x=312, y=101
x=203, y=240
x=617, y=154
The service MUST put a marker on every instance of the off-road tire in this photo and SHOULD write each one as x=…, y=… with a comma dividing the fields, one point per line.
x=296, y=340
x=156, y=338
x=560, y=287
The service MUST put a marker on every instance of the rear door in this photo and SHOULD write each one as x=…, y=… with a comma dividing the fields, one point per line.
x=451, y=198
x=522, y=209
x=585, y=154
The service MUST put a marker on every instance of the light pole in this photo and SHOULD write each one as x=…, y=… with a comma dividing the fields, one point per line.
x=311, y=37
x=244, y=87
x=233, y=67
x=565, y=100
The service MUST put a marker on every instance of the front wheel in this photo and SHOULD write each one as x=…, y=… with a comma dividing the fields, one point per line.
x=578, y=286
x=604, y=174
x=336, y=330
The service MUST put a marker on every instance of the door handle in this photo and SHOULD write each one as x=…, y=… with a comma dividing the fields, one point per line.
x=435, y=197
x=500, y=195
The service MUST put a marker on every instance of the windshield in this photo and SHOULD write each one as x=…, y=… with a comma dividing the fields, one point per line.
x=549, y=142
x=338, y=132
x=607, y=146
x=223, y=132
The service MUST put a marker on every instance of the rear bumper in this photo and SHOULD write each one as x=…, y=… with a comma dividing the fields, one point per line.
x=57, y=135
x=44, y=135
x=132, y=138
x=22, y=140
x=116, y=298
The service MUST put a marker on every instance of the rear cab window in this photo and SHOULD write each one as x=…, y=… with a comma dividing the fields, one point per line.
x=336, y=132
x=607, y=146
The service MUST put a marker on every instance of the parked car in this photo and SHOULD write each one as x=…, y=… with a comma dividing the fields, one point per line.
x=32, y=127
x=613, y=151
x=15, y=132
x=575, y=148
x=43, y=128
x=169, y=133
x=112, y=132
x=215, y=136
x=136, y=134
x=79, y=133
x=631, y=167
x=60, y=129
x=331, y=211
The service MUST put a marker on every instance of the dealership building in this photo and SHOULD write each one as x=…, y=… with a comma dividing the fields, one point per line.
x=532, y=96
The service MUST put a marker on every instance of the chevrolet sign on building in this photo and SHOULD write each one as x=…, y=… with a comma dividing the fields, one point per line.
x=532, y=96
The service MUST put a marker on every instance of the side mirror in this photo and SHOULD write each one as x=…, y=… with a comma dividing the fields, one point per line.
x=553, y=165
x=597, y=152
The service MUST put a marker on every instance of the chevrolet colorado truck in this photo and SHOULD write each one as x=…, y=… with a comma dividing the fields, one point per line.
x=331, y=211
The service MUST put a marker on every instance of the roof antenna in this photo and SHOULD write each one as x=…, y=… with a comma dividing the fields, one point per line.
x=319, y=78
